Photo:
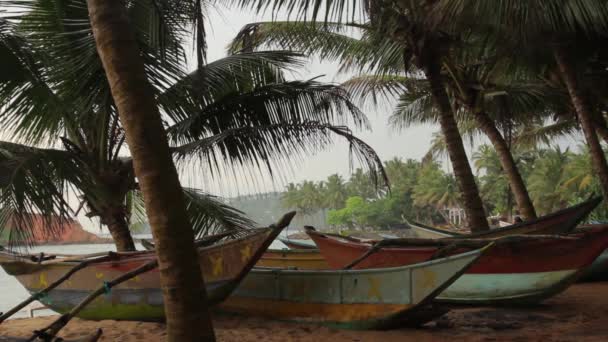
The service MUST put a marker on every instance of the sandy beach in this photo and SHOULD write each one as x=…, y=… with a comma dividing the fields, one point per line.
x=579, y=314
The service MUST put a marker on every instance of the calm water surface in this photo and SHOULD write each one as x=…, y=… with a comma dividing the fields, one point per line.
x=12, y=293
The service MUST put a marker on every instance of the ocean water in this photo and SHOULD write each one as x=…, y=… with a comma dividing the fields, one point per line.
x=12, y=293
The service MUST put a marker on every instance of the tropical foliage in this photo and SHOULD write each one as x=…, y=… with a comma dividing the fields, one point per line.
x=236, y=112
x=423, y=191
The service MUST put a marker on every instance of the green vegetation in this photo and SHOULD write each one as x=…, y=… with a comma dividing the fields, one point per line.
x=421, y=191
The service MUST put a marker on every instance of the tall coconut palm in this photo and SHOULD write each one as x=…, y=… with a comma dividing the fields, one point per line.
x=187, y=312
x=335, y=192
x=238, y=111
x=388, y=46
x=436, y=189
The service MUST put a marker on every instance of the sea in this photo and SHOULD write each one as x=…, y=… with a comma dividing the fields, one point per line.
x=12, y=293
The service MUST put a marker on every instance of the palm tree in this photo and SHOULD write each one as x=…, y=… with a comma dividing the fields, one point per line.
x=397, y=39
x=237, y=111
x=573, y=31
x=310, y=197
x=335, y=193
x=436, y=189
x=545, y=180
x=359, y=184
x=186, y=310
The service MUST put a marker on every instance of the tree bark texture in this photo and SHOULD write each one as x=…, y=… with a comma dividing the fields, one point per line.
x=186, y=310
x=585, y=116
x=473, y=206
x=119, y=229
x=522, y=198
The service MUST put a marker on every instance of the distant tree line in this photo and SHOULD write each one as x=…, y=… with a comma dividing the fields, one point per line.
x=422, y=190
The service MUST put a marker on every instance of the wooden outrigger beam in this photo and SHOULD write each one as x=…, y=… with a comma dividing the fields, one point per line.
x=56, y=283
x=87, y=260
x=49, y=332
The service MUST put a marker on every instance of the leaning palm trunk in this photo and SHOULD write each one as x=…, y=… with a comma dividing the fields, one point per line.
x=473, y=206
x=184, y=295
x=585, y=116
x=601, y=128
x=119, y=229
x=516, y=182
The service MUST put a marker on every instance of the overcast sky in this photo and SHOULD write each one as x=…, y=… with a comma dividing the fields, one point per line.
x=388, y=143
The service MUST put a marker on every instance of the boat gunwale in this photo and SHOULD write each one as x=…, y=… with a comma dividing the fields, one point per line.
x=591, y=202
x=278, y=270
x=447, y=233
x=124, y=257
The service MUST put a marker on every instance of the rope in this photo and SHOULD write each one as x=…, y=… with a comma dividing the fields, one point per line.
x=107, y=288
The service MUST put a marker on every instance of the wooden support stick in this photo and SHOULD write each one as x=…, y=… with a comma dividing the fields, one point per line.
x=49, y=332
x=365, y=255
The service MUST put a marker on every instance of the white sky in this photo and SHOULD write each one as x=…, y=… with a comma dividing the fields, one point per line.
x=388, y=143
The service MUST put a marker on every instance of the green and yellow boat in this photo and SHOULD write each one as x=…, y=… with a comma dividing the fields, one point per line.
x=356, y=299
x=224, y=264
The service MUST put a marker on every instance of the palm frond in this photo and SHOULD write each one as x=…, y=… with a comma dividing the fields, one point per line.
x=327, y=41
x=524, y=19
x=34, y=181
x=382, y=87
x=208, y=214
x=236, y=73
x=414, y=108
x=534, y=135
x=270, y=104
x=307, y=10
x=262, y=145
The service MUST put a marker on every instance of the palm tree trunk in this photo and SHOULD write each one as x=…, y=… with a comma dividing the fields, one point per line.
x=602, y=132
x=522, y=198
x=118, y=227
x=585, y=116
x=186, y=310
x=473, y=206
x=601, y=128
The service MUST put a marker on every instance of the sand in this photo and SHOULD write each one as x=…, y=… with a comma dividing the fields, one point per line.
x=579, y=314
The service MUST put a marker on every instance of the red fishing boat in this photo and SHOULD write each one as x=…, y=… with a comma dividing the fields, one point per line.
x=519, y=269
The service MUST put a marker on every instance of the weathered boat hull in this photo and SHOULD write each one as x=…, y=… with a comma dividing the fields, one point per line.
x=559, y=222
x=298, y=243
x=427, y=232
x=303, y=259
x=598, y=269
x=355, y=299
x=223, y=265
x=524, y=271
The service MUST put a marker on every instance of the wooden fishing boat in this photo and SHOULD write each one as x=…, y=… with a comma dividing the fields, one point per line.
x=599, y=268
x=356, y=299
x=518, y=270
x=559, y=222
x=223, y=264
x=298, y=243
x=427, y=232
x=302, y=259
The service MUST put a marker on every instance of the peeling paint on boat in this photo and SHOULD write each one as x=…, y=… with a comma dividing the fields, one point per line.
x=513, y=272
x=598, y=269
x=483, y=287
x=345, y=298
x=223, y=265
x=304, y=259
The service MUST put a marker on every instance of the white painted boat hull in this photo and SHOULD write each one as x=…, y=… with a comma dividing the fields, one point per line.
x=511, y=288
